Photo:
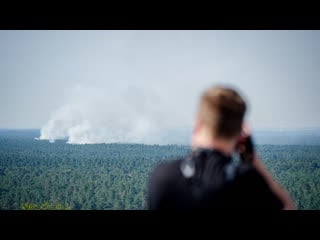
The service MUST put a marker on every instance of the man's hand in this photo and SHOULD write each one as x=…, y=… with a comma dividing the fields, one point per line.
x=245, y=146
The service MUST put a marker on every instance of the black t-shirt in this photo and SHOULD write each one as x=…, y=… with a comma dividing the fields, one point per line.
x=209, y=188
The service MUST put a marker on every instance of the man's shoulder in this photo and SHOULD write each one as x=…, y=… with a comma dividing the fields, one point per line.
x=253, y=187
x=168, y=166
x=167, y=170
x=248, y=174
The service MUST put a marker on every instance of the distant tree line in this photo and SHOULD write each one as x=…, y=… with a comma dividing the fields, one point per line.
x=40, y=175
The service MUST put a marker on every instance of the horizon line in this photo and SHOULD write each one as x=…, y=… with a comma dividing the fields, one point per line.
x=254, y=129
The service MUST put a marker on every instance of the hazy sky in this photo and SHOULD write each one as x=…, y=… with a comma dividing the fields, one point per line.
x=157, y=73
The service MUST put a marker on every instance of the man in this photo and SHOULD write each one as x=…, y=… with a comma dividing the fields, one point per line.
x=207, y=178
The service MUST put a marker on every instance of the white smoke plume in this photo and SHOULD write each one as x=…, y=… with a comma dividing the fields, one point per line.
x=98, y=115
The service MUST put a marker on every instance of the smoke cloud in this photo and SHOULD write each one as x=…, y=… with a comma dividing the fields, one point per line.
x=99, y=115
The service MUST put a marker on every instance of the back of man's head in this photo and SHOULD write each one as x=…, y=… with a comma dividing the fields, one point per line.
x=222, y=110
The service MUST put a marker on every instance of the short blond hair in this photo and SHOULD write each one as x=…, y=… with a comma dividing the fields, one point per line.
x=222, y=110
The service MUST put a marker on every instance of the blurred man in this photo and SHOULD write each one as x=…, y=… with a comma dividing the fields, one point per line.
x=208, y=178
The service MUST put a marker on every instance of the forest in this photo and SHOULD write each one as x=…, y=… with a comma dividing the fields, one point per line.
x=41, y=175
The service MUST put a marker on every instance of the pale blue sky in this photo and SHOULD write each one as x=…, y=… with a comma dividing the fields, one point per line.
x=41, y=71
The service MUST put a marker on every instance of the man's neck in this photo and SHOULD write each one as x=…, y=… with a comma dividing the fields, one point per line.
x=224, y=146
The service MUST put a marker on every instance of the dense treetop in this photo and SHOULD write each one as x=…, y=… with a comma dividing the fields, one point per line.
x=42, y=175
